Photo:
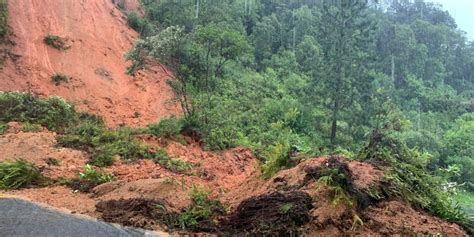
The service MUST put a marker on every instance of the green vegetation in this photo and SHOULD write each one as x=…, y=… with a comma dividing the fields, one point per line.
x=104, y=144
x=29, y=127
x=19, y=174
x=59, y=77
x=406, y=177
x=176, y=165
x=139, y=24
x=90, y=174
x=167, y=127
x=55, y=42
x=201, y=211
x=3, y=128
x=3, y=19
x=53, y=162
x=317, y=77
x=53, y=113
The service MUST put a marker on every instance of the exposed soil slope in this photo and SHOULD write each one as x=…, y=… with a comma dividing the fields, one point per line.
x=98, y=36
x=233, y=177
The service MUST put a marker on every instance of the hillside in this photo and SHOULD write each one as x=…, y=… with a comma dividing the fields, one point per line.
x=238, y=118
x=98, y=37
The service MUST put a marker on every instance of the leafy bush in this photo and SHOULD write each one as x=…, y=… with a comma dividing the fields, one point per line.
x=139, y=24
x=3, y=128
x=53, y=113
x=406, y=177
x=104, y=144
x=176, y=165
x=201, y=211
x=59, y=77
x=55, y=41
x=30, y=127
x=276, y=158
x=167, y=127
x=89, y=179
x=19, y=174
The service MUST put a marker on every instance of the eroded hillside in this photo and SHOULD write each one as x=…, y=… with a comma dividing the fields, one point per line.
x=97, y=37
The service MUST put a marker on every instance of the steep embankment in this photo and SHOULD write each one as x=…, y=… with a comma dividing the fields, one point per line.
x=98, y=36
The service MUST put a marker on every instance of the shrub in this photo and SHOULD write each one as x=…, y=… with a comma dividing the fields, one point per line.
x=58, y=77
x=55, y=41
x=406, y=178
x=30, y=127
x=176, y=165
x=136, y=22
x=105, y=145
x=89, y=179
x=19, y=174
x=53, y=113
x=167, y=127
x=275, y=158
x=201, y=211
x=3, y=128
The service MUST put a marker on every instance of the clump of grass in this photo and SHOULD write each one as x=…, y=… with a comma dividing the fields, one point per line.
x=52, y=161
x=53, y=113
x=3, y=128
x=59, y=77
x=201, y=211
x=167, y=127
x=176, y=165
x=30, y=127
x=55, y=41
x=90, y=178
x=19, y=174
x=105, y=145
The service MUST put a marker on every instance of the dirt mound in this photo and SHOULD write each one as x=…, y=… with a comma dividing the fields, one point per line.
x=40, y=149
x=394, y=217
x=98, y=36
x=172, y=191
x=137, y=212
x=272, y=213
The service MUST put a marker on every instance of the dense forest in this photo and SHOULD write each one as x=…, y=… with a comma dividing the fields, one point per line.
x=317, y=77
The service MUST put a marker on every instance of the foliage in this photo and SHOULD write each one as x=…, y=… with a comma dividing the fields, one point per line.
x=91, y=174
x=104, y=144
x=406, y=177
x=28, y=127
x=176, y=165
x=19, y=174
x=167, y=127
x=53, y=113
x=136, y=22
x=3, y=19
x=59, y=77
x=202, y=210
x=55, y=42
x=3, y=128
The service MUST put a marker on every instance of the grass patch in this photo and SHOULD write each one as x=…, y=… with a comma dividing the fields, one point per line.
x=19, y=174
x=167, y=128
x=89, y=178
x=53, y=162
x=175, y=165
x=55, y=42
x=31, y=127
x=201, y=211
x=3, y=128
x=59, y=77
x=53, y=113
x=105, y=145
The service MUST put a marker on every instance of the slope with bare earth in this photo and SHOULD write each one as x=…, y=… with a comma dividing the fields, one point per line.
x=232, y=176
x=98, y=37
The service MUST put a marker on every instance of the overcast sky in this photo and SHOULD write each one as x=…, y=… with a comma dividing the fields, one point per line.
x=463, y=13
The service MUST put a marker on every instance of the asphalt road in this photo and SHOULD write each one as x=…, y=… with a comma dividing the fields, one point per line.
x=22, y=218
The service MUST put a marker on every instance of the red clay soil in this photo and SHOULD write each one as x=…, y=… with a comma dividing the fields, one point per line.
x=98, y=36
x=38, y=147
x=232, y=175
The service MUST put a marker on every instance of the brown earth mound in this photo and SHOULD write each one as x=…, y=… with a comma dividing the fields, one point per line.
x=98, y=37
x=281, y=213
x=137, y=212
x=40, y=149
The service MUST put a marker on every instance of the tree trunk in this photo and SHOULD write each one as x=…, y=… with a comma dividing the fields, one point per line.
x=335, y=112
